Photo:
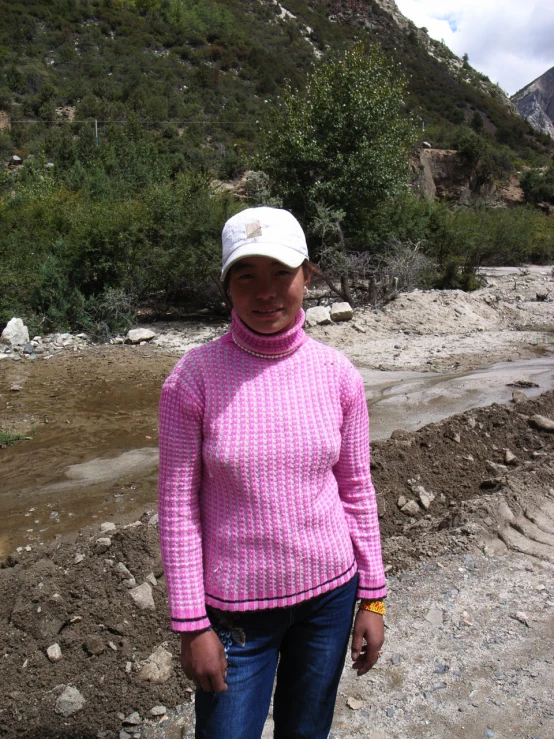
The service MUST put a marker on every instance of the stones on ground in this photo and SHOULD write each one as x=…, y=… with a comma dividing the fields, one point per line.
x=107, y=526
x=16, y=388
x=136, y=335
x=125, y=575
x=133, y=719
x=142, y=595
x=78, y=558
x=153, y=521
x=542, y=423
x=411, y=508
x=15, y=333
x=518, y=397
x=54, y=653
x=341, y=312
x=425, y=497
x=434, y=617
x=94, y=645
x=70, y=701
x=103, y=544
x=158, y=711
x=151, y=578
x=354, y=703
x=318, y=316
x=510, y=457
x=522, y=617
x=401, y=502
x=158, y=667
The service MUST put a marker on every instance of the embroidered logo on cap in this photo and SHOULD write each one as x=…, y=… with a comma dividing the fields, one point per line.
x=253, y=229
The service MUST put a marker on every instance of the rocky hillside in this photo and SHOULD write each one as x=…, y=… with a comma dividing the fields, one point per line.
x=535, y=103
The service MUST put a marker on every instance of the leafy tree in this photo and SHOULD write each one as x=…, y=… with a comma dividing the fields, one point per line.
x=343, y=142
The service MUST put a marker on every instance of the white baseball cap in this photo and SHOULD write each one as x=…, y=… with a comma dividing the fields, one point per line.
x=263, y=232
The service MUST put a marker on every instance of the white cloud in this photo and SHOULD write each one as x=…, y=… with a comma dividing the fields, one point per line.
x=511, y=41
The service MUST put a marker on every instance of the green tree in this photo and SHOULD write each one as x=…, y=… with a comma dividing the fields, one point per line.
x=342, y=142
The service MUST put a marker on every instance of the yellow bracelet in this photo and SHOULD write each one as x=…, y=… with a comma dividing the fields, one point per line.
x=375, y=606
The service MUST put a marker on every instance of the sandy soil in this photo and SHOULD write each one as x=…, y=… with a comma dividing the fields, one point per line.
x=481, y=555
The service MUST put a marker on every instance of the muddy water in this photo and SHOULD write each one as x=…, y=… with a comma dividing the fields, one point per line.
x=93, y=416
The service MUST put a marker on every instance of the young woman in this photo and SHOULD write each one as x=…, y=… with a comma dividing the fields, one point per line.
x=268, y=518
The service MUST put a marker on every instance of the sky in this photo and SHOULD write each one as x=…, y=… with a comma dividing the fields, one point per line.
x=511, y=41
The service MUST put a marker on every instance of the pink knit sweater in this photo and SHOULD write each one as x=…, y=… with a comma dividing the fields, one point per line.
x=265, y=495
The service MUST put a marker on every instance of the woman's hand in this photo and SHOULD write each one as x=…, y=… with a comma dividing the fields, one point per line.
x=368, y=627
x=203, y=660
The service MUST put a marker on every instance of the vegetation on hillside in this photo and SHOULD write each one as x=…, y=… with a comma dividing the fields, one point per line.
x=188, y=91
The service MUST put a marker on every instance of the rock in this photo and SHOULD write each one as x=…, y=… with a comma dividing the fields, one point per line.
x=136, y=335
x=425, y=497
x=142, y=595
x=15, y=333
x=94, y=645
x=411, y=508
x=542, y=423
x=401, y=502
x=510, y=457
x=354, y=703
x=103, y=544
x=133, y=719
x=158, y=667
x=107, y=526
x=78, y=558
x=28, y=348
x=341, y=312
x=519, y=397
x=154, y=520
x=434, y=617
x=318, y=316
x=122, y=570
x=158, y=711
x=16, y=388
x=70, y=701
x=471, y=422
x=495, y=469
x=54, y=653
x=522, y=617
x=151, y=578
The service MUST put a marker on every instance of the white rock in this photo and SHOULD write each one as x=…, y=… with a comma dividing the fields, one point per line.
x=434, y=617
x=151, y=578
x=542, y=423
x=154, y=520
x=121, y=569
x=70, y=701
x=411, y=508
x=107, y=526
x=158, y=667
x=54, y=653
x=510, y=457
x=318, y=316
x=354, y=703
x=15, y=333
x=136, y=335
x=142, y=595
x=133, y=719
x=401, y=502
x=158, y=711
x=341, y=312
x=103, y=544
x=78, y=558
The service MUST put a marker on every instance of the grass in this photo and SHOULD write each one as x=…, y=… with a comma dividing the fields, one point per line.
x=7, y=438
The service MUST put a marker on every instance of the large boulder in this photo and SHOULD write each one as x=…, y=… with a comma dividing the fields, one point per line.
x=16, y=333
x=318, y=316
x=136, y=335
x=341, y=312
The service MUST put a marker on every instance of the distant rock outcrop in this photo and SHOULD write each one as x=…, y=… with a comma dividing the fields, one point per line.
x=535, y=103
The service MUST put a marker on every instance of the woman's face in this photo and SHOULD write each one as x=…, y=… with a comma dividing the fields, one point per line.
x=267, y=294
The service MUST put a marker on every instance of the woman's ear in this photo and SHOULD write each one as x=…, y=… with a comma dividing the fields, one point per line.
x=308, y=269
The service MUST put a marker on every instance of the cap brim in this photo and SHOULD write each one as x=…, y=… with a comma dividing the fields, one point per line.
x=284, y=254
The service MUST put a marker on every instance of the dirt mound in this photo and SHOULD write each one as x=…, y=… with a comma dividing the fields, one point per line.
x=77, y=595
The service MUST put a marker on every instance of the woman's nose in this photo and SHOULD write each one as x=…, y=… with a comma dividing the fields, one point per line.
x=265, y=289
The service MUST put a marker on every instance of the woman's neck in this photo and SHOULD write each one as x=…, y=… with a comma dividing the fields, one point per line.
x=270, y=346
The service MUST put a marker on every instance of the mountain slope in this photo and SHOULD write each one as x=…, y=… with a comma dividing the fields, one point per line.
x=535, y=103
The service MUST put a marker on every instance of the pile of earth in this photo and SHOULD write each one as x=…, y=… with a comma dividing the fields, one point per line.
x=116, y=661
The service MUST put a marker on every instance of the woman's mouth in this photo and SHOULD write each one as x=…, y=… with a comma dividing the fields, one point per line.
x=269, y=312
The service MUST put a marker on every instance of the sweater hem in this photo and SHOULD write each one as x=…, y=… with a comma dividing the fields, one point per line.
x=282, y=601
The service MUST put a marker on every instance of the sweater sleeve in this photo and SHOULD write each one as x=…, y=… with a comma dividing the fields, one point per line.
x=181, y=419
x=356, y=490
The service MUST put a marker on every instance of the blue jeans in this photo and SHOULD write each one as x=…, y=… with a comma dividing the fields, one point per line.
x=305, y=644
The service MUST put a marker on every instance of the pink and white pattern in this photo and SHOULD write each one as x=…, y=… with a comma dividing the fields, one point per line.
x=265, y=495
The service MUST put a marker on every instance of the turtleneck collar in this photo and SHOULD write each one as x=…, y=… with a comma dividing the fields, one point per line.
x=269, y=346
